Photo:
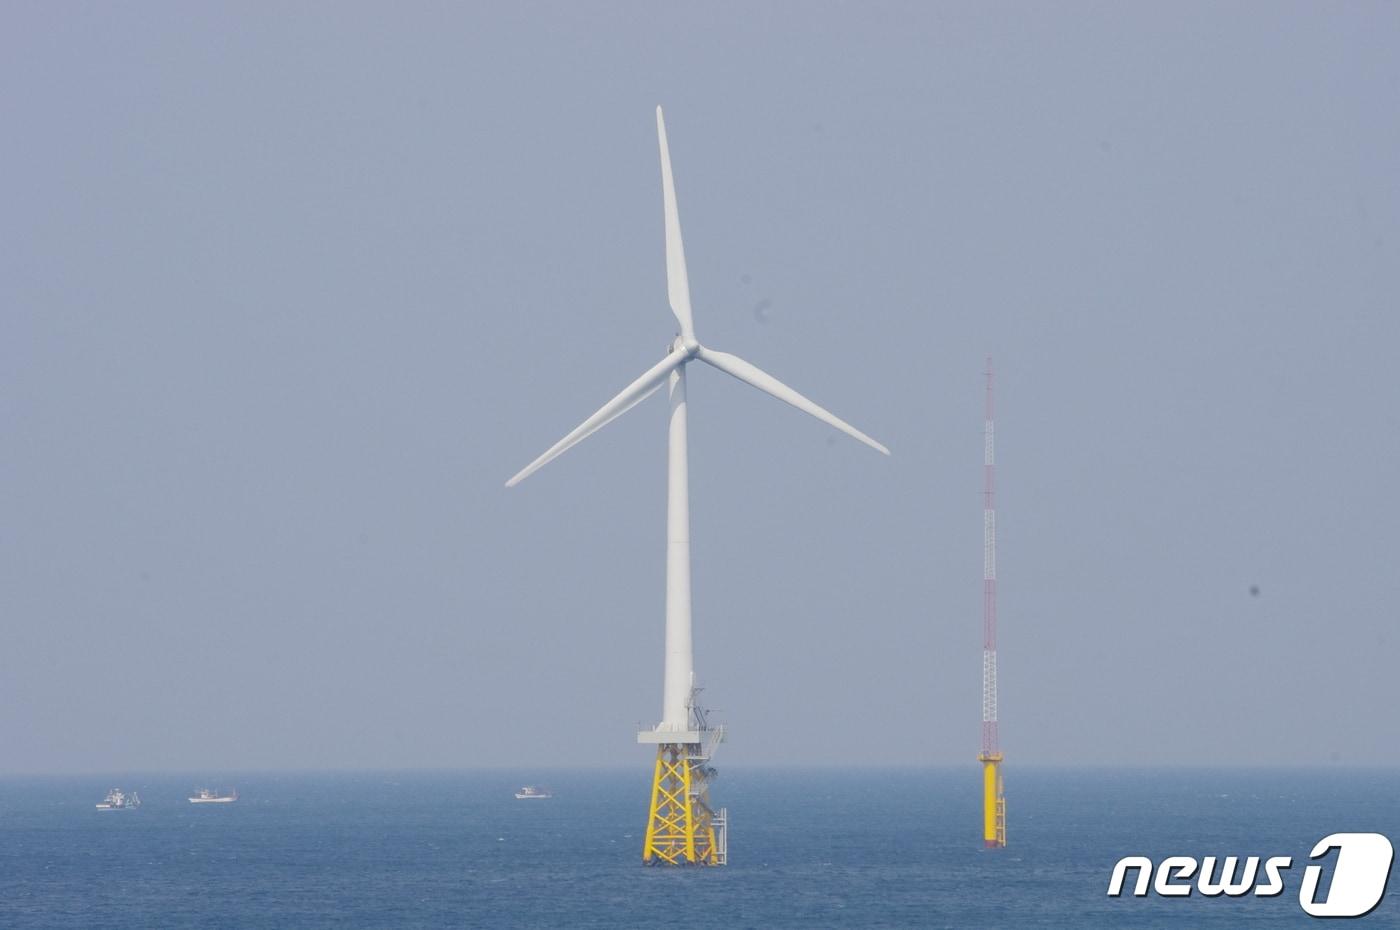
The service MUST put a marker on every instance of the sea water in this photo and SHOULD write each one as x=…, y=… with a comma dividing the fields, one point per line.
x=807, y=848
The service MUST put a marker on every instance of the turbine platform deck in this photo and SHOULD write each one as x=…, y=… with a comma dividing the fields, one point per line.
x=662, y=737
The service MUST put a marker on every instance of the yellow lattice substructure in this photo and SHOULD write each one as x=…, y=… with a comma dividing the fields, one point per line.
x=993, y=802
x=682, y=829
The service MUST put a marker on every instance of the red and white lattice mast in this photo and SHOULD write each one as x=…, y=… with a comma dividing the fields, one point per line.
x=993, y=798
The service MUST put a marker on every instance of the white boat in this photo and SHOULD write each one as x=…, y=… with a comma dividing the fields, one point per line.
x=210, y=796
x=117, y=800
x=531, y=792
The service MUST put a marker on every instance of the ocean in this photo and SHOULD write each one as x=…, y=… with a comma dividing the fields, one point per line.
x=808, y=848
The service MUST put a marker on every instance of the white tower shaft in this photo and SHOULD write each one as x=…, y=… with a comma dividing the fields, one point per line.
x=990, y=742
x=989, y=580
x=680, y=663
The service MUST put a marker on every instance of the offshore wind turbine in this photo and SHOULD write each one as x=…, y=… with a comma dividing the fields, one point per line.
x=681, y=827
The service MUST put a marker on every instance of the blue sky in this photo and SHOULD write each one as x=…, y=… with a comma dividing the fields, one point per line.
x=289, y=293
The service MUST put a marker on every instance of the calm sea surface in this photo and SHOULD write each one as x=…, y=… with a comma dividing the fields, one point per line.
x=808, y=848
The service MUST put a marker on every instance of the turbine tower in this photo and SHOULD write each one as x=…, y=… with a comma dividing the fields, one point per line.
x=993, y=797
x=681, y=827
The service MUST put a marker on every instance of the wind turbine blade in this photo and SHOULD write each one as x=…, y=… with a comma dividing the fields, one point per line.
x=650, y=391
x=677, y=282
x=751, y=374
x=630, y=396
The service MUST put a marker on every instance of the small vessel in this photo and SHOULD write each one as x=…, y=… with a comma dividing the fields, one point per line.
x=210, y=796
x=118, y=800
x=532, y=792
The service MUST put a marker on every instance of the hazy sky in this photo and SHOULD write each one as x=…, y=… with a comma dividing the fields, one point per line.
x=289, y=291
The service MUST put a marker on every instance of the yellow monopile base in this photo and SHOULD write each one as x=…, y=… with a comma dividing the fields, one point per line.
x=681, y=829
x=993, y=802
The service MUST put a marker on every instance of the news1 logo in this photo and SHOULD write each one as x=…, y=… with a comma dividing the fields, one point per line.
x=1358, y=877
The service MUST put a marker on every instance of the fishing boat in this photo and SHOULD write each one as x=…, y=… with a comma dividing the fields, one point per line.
x=532, y=793
x=210, y=796
x=118, y=800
